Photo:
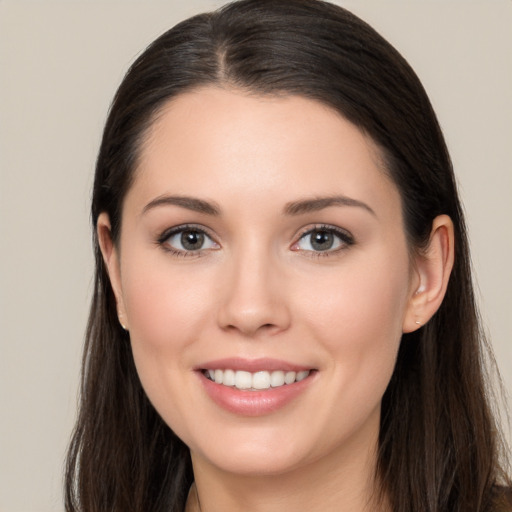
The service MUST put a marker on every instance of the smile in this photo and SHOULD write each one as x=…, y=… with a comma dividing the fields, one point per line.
x=255, y=387
x=256, y=381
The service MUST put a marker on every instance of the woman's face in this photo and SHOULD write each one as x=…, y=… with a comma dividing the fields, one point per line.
x=262, y=245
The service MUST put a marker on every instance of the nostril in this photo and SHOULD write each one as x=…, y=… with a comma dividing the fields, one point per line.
x=250, y=329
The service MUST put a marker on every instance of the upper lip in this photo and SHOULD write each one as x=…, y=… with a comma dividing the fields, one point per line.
x=252, y=365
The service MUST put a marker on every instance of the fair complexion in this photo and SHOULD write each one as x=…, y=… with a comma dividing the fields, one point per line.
x=261, y=234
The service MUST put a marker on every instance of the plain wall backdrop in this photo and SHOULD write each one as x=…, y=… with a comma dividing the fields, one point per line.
x=60, y=63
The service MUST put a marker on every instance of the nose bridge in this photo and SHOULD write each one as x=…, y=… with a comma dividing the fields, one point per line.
x=253, y=296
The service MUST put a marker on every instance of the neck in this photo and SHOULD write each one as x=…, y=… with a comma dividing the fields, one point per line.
x=324, y=485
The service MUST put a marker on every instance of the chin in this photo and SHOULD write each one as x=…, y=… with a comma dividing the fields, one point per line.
x=253, y=452
x=254, y=462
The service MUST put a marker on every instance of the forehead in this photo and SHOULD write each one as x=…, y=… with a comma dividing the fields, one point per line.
x=214, y=141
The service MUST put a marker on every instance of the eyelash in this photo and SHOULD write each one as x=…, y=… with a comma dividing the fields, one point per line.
x=344, y=237
x=164, y=237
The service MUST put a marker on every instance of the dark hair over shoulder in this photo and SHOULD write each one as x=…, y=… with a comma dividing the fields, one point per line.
x=439, y=447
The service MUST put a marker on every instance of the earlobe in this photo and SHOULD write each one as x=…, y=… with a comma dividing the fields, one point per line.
x=111, y=259
x=433, y=267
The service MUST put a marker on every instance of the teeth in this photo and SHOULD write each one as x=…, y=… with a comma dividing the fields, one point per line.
x=261, y=380
x=289, y=377
x=276, y=379
x=229, y=378
x=301, y=375
x=243, y=380
x=255, y=381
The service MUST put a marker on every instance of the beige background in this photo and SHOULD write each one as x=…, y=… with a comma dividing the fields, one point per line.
x=60, y=63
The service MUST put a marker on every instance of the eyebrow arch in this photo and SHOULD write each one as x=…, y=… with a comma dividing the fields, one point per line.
x=319, y=203
x=190, y=203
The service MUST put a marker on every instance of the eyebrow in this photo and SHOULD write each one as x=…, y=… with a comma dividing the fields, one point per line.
x=292, y=208
x=319, y=203
x=190, y=203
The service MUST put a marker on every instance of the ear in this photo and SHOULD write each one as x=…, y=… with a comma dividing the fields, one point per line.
x=111, y=258
x=432, y=269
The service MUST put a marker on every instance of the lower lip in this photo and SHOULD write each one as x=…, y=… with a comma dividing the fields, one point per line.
x=254, y=403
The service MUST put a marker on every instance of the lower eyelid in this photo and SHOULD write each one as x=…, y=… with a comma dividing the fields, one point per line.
x=163, y=240
x=345, y=238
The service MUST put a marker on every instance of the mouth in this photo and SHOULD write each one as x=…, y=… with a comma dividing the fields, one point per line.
x=254, y=381
x=255, y=387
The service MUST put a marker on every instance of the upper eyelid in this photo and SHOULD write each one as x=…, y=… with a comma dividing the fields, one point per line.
x=167, y=233
x=344, y=236
x=326, y=227
x=343, y=233
x=163, y=241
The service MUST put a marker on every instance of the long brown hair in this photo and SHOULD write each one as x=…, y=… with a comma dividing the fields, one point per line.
x=439, y=447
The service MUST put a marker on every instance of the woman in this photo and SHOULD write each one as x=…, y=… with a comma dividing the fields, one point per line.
x=283, y=311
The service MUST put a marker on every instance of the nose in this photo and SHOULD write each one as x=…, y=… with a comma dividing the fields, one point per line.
x=253, y=295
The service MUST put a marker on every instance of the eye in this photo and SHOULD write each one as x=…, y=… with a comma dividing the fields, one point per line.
x=187, y=239
x=323, y=239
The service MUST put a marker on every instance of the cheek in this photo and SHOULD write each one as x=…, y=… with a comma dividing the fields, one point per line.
x=165, y=305
x=357, y=320
x=357, y=314
x=167, y=309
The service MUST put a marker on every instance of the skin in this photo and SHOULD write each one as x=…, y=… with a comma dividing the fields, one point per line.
x=259, y=289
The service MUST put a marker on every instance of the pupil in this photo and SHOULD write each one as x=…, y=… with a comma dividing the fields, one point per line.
x=192, y=240
x=322, y=240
